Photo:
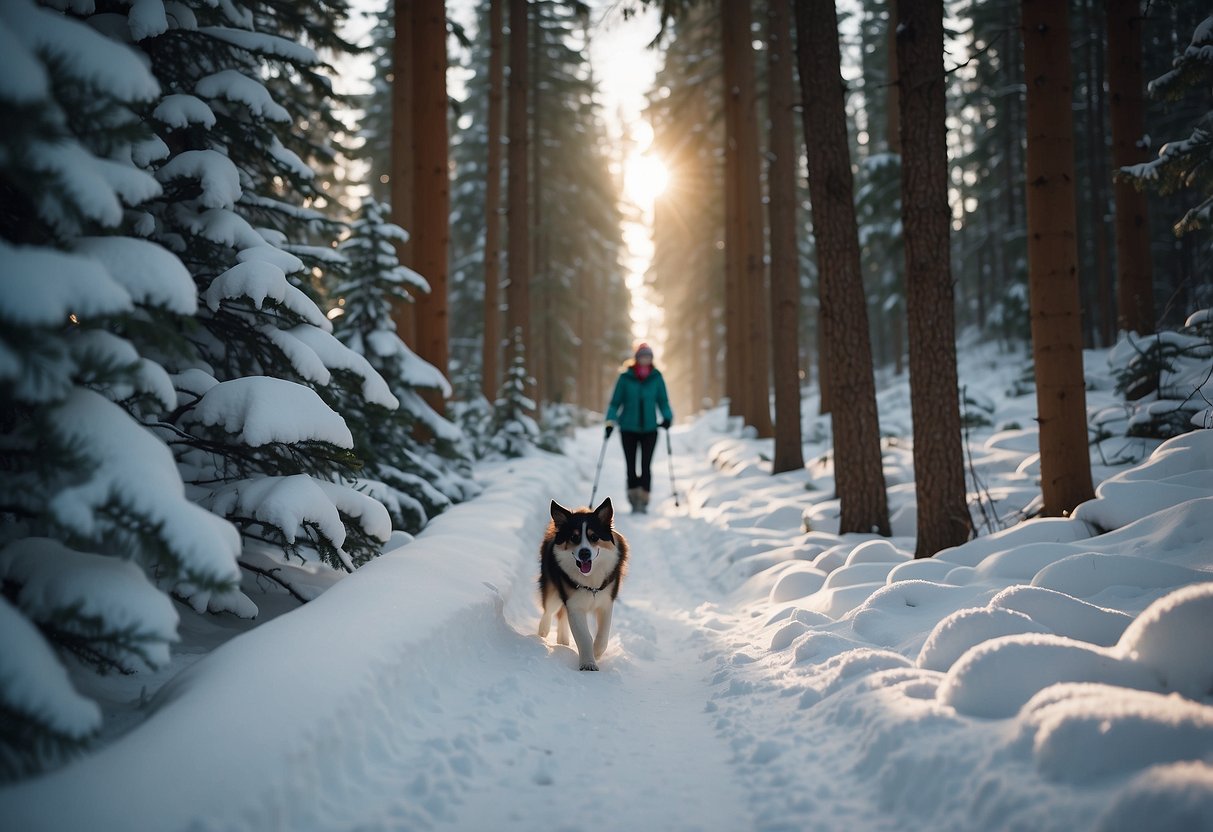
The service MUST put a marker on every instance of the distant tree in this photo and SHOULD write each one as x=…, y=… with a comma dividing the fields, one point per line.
x=1134, y=270
x=1065, y=467
x=518, y=267
x=785, y=272
x=490, y=367
x=431, y=181
x=402, y=146
x=858, y=473
x=939, y=478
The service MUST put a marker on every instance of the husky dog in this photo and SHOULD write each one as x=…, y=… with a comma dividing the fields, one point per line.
x=581, y=567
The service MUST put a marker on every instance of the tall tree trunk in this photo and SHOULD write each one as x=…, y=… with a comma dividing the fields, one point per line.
x=785, y=271
x=518, y=265
x=1065, y=467
x=490, y=375
x=939, y=476
x=750, y=231
x=858, y=473
x=403, y=151
x=1134, y=272
x=1107, y=275
x=541, y=364
x=432, y=227
x=1097, y=167
x=735, y=319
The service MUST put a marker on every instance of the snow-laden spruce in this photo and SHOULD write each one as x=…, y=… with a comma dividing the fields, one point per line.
x=96, y=525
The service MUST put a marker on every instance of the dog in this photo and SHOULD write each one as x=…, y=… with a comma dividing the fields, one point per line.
x=581, y=566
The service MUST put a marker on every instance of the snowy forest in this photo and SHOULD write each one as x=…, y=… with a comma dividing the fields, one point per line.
x=313, y=315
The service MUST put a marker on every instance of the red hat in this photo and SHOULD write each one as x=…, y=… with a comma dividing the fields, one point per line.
x=644, y=349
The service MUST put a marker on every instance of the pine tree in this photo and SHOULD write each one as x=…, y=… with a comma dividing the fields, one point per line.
x=1183, y=165
x=95, y=526
x=847, y=350
x=939, y=479
x=514, y=429
x=785, y=273
x=1065, y=467
x=415, y=480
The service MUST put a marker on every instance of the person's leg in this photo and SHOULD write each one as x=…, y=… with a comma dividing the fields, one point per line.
x=648, y=441
x=630, y=441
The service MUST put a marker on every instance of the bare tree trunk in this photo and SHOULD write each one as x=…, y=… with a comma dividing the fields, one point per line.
x=750, y=236
x=1134, y=271
x=939, y=476
x=490, y=375
x=403, y=151
x=735, y=319
x=432, y=227
x=858, y=473
x=785, y=271
x=518, y=267
x=1065, y=467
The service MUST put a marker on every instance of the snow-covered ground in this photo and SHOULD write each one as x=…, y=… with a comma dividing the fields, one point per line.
x=1057, y=675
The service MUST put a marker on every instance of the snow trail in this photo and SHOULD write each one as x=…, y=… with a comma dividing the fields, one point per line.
x=631, y=746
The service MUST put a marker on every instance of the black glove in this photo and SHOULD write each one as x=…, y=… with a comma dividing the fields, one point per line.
x=666, y=424
x=610, y=428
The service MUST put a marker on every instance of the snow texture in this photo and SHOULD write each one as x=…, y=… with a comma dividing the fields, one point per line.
x=43, y=286
x=258, y=281
x=261, y=410
x=150, y=274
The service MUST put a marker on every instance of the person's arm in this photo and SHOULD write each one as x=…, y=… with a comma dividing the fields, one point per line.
x=612, y=414
x=663, y=403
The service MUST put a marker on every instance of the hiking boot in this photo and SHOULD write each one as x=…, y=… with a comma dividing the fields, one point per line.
x=634, y=499
x=643, y=500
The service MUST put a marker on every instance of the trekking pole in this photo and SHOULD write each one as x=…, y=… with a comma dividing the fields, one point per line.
x=598, y=472
x=669, y=455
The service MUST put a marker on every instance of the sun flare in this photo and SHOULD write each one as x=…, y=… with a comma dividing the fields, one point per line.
x=645, y=179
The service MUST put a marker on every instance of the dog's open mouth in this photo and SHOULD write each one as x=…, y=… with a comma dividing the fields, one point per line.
x=585, y=565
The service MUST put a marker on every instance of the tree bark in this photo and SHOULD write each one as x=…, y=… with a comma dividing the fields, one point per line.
x=939, y=476
x=401, y=175
x=735, y=318
x=518, y=265
x=432, y=185
x=490, y=375
x=858, y=473
x=785, y=272
x=1065, y=467
x=1134, y=271
x=750, y=231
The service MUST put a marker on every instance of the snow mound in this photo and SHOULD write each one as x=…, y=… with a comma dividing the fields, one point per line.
x=1063, y=614
x=236, y=87
x=1174, y=798
x=1083, y=732
x=263, y=410
x=965, y=629
x=180, y=110
x=1090, y=573
x=215, y=174
x=797, y=582
x=996, y=678
x=1174, y=638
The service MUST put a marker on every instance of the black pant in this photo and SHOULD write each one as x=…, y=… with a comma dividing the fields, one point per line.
x=646, y=441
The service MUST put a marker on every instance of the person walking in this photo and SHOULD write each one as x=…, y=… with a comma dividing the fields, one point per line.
x=639, y=394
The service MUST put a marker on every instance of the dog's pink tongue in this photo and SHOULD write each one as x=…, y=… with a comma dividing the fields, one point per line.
x=584, y=566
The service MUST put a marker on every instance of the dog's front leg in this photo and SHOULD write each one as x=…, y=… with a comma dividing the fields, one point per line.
x=581, y=635
x=603, y=635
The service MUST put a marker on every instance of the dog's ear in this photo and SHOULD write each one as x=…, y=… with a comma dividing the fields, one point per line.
x=560, y=514
x=605, y=512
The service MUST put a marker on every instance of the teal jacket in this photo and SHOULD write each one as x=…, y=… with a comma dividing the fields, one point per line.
x=634, y=403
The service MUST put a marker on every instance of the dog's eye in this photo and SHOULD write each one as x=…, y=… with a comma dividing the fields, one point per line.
x=593, y=537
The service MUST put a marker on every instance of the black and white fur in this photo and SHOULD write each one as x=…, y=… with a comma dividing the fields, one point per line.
x=581, y=567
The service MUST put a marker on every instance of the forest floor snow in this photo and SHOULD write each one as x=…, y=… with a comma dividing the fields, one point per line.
x=1056, y=675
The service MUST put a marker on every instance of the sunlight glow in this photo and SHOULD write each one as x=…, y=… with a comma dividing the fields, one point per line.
x=645, y=178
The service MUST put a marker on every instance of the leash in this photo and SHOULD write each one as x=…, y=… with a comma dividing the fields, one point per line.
x=669, y=455
x=598, y=473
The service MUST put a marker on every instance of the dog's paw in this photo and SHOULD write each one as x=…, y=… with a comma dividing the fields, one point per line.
x=588, y=666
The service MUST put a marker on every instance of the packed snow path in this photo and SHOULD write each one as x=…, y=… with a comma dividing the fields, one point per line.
x=512, y=736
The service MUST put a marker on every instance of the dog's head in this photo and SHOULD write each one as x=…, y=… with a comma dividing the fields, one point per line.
x=583, y=535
